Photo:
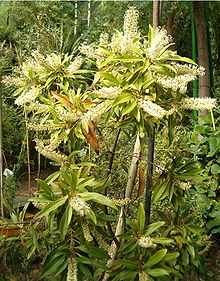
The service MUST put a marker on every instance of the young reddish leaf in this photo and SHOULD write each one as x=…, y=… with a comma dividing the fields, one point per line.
x=141, y=182
x=91, y=136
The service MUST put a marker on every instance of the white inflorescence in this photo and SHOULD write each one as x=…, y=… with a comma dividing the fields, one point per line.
x=108, y=92
x=145, y=242
x=86, y=232
x=131, y=22
x=130, y=29
x=27, y=96
x=72, y=270
x=188, y=69
x=52, y=155
x=103, y=39
x=116, y=43
x=79, y=205
x=143, y=276
x=75, y=65
x=184, y=185
x=178, y=82
x=95, y=111
x=38, y=128
x=67, y=116
x=87, y=50
x=198, y=103
x=40, y=107
x=152, y=109
x=159, y=42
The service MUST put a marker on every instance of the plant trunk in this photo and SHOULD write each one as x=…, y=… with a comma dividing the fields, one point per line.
x=202, y=44
x=156, y=9
x=128, y=193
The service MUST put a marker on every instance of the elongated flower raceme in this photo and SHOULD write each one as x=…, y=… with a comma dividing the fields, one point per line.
x=179, y=82
x=108, y=92
x=86, y=232
x=145, y=242
x=72, y=270
x=75, y=65
x=152, y=108
x=79, y=205
x=188, y=69
x=198, y=103
x=52, y=155
x=95, y=111
x=158, y=43
x=27, y=96
x=131, y=22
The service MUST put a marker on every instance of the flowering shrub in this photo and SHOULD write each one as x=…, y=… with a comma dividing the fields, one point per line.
x=139, y=83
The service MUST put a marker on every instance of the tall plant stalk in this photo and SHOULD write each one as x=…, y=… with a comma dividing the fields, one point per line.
x=1, y=158
x=128, y=193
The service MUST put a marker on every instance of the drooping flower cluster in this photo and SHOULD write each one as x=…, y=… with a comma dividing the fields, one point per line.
x=108, y=92
x=188, y=69
x=198, y=103
x=43, y=127
x=27, y=96
x=47, y=152
x=145, y=242
x=72, y=270
x=36, y=106
x=179, y=82
x=68, y=116
x=86, y=232
x=101, y=241
x=152, y=108
x=79, y=205
x=121, y=202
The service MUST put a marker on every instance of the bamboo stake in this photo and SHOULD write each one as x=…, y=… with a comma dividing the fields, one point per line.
x=28, y=154
x=89, y=13
x=76, y=16
x=1, y=158
x=128, y=193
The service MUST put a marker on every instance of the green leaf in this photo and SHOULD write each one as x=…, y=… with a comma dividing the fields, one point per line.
x=129, y=107
x=158, y=272
x=162, y=240
x=65, y=221
x=123, y=98
x=141, y=217
x=127, y=275
x=91, y=215
x=99, y=198
x=45, y=186
x=85, y=270
x=128, y=58
x=90, y=261
x=127, y=263
x=156, y=258
x=171, y=256
x=52, y=206
x=191, y=251
x=153, y=226
x=53, y=266
x=51, y=178
x=110, y=78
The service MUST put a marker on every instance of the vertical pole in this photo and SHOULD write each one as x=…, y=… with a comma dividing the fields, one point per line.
x=209, y=48
x=1, y=158
x=195, y=58
x=151, y=138
x=76, y=16
x=89, y=13
x=150, y=159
